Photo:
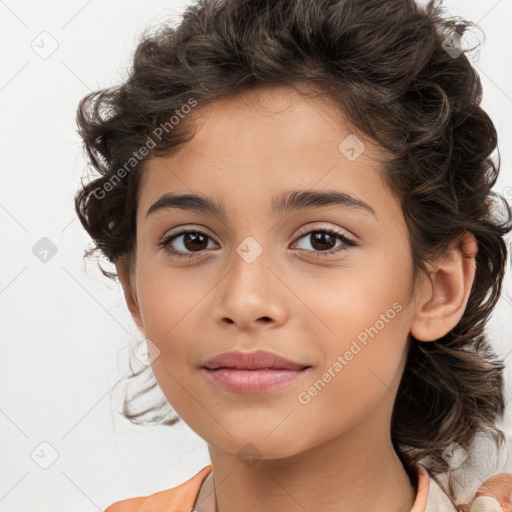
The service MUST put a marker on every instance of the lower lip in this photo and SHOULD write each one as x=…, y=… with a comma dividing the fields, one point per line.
x=252, y=381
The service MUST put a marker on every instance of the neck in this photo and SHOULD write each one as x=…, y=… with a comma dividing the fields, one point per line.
x=360, y=477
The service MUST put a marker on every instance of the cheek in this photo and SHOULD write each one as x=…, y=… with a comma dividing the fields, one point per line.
x=169, y=313
x=346, y=392
x=368, y=316
x=169, y=302
x=174, y=312
x=361, y=368
x=363, y=302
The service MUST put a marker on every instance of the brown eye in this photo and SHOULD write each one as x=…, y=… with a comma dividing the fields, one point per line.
x=186, y=243
x=323, y=242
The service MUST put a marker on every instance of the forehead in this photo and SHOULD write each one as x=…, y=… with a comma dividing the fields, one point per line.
x=259, y=142
x=294, y=116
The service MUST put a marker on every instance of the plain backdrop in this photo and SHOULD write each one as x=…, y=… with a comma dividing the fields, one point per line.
x=65, y=328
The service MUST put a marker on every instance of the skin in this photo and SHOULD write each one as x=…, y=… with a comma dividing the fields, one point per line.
x=333, y=453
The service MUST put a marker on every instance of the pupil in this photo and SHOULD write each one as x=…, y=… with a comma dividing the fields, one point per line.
x=320, y=237
x=194, y=236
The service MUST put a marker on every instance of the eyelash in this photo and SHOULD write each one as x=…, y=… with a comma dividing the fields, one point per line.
x=318, y=254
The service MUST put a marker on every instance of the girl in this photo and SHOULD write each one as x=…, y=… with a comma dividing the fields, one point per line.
x=297, y=197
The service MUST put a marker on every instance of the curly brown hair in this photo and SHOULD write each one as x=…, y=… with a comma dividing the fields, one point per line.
x=395, y=77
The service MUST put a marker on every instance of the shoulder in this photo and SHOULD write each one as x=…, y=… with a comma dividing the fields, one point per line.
x=493, y=495
x=180, y=498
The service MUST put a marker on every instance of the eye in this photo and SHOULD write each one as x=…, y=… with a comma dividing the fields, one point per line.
x=192, y=240
x=323, y=240
x=196, y=241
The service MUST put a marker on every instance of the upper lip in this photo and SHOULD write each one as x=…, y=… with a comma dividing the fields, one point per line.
x=260, y=359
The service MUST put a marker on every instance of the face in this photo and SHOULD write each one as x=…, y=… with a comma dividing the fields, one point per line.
x=325, y=284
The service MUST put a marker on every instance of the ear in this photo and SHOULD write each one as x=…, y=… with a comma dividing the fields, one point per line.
x=441, y=304
x=126, y=278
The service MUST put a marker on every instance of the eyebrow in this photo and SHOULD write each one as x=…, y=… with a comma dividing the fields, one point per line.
x=295, y=200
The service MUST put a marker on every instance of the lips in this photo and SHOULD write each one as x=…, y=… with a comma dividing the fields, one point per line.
x=258, y=360
x=252, y=372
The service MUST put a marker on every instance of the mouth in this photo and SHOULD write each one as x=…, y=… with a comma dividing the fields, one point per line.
x=253, y=372
x=251, y=380
x=258, y=360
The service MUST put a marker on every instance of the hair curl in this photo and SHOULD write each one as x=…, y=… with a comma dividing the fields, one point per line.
x=385, y=66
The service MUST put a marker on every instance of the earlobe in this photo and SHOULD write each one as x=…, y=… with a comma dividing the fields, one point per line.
x=130, y=293
x=441, y=301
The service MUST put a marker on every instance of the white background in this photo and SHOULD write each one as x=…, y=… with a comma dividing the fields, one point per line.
x=64, y=327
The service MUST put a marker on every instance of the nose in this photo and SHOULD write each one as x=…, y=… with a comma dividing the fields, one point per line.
x=252, y=295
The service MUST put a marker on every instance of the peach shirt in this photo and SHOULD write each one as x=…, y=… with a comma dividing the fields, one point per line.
x=492, y=496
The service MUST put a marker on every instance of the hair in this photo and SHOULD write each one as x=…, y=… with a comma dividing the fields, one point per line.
x=390, y=72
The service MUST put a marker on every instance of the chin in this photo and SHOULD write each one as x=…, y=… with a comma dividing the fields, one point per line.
x=250, y=449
